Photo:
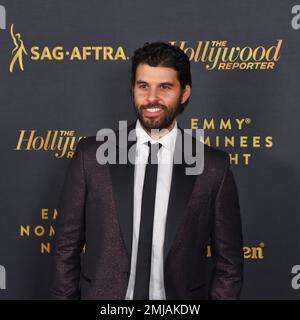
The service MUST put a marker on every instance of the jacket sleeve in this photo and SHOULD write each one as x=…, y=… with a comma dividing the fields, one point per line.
x=69, y=231
x=227, y=241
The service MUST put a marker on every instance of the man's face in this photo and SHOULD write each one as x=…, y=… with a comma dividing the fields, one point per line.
x=157, y=96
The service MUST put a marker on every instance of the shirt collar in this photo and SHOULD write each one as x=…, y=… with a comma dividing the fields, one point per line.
x=167, y=141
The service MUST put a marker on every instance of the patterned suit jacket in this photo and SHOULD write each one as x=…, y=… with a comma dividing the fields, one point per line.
x=96, y=210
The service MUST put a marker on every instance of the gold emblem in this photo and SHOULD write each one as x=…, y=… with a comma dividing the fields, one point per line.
x=18, y=50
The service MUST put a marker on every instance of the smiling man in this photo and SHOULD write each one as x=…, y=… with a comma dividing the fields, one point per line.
x=158, y=96
x=146, y=226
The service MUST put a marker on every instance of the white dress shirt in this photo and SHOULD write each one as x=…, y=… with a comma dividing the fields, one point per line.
x=164, y=177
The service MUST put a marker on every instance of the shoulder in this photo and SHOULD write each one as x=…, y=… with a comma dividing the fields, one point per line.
x=216, y=162
x=89, y=143
x=87, y=147
x=216, y=156
x=86, y=142
x=216, y=165
x=213, y=157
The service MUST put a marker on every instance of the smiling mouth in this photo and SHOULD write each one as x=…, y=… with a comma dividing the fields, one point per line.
x=152, y=110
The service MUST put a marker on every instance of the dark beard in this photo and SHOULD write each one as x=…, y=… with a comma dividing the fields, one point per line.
x=165, y=122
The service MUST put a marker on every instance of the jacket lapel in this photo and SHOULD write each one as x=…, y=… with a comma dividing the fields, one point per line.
x=180, y=193
x=122, y=177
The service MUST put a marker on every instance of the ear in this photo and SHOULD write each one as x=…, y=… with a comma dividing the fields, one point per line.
x=186, y=93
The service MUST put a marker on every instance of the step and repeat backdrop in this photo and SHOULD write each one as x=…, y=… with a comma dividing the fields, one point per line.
x=65, y=74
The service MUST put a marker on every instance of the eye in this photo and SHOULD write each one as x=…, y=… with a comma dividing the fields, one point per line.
x=165, y=87
x=142, y=86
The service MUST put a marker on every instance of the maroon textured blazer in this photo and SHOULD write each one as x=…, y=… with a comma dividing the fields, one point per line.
x=96, y=210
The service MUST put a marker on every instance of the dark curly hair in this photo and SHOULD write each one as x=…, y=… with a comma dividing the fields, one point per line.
x=165, y=55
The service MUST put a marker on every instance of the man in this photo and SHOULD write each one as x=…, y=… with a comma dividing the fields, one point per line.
x=146, y=226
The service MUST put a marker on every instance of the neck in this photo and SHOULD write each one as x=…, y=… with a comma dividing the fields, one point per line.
x=158, y=134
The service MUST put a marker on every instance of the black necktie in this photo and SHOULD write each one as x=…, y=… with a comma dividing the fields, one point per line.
x=143, y=264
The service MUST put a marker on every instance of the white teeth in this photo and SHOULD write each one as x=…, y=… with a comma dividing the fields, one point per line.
x=153, y=109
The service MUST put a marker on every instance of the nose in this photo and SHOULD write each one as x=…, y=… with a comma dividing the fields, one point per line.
x=152, y=95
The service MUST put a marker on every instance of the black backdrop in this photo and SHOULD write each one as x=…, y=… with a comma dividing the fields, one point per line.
x=75, y=81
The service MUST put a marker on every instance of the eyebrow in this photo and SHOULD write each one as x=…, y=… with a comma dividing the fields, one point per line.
x=165, y=83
